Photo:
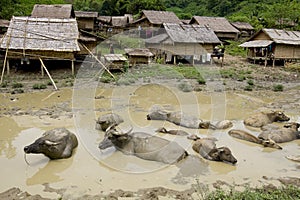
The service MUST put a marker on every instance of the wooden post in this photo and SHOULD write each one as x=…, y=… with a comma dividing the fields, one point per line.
x=273, y=62
x=8, y=68
x=53, y=83
x=72, y=65
x=266, y=60
x=42, y=70
x=98, y=60
x=4, y=63
x=174, y=59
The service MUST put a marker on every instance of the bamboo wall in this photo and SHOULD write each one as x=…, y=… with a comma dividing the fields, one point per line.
x=31, y=54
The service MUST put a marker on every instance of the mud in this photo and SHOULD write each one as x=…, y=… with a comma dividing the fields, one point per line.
x=91, y=173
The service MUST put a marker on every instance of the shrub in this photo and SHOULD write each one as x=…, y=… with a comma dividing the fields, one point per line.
x=4, y=84
x=250, y=82
x=17, y=85
x=185, y=87
x=39, y=86
x=278, y=88
x=201, y=80
x=248, y=88
x=241, y=78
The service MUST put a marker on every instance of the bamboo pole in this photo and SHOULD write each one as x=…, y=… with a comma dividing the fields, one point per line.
x=98, y=60
x=4, y=63
x=53, y=83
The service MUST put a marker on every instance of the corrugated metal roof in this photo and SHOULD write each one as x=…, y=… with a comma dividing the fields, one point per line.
x=257, y=43
x=218, y=24
x=27, y=33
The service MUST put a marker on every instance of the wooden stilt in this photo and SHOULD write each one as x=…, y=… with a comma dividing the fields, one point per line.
x=42, y=70
x=53, y=83
x=98, y=60
x=73, y=70
x=8, y=67
x=174, y=59
x=273, y=62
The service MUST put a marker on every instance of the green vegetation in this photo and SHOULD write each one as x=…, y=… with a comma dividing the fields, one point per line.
x=185, y=87
x=278, y=88
x=267, y=13
x=17, y=85
x=39, y=86
x=234, y=49
x=284, y=193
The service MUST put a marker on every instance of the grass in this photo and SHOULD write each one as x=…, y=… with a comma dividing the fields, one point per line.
x=39, y=86
x=234, y=50
x=278, y=88
x=283, y=193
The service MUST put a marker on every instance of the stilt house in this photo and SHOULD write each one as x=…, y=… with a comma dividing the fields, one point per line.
x=273, y=44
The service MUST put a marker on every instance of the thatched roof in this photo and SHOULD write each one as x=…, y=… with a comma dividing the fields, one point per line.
x=119, y=21
x=242, y=26
x=114, y=57
x=104, y=19
x=41, y=34
x=138, y=52
x=218, y=24
x=61, y=11
x=85, y=14
x=283, y=36
x=256, y=43
x=186, y=33
x=160, y=17
x=4, y=23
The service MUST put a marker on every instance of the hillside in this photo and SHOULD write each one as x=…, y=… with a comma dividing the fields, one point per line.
x=267, y=13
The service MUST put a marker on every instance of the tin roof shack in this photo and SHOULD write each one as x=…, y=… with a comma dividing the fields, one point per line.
x=34, y=38
x=194, y=42
x=115, y=61
x=138, y=56
x=220, y=25
x=56, y=11
x=273, y=44
x=246, y=30
x=86, y=20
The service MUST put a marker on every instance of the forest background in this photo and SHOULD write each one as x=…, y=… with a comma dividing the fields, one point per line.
x=259, y=13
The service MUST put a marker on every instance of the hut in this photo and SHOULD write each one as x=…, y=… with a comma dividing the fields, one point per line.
x=246, y=30
x=86, y=20
x=111, y=25
x=31, y=38
x=220, y=25
x=58, y=11
x=138, y=56
x=114, y=61
x=194, y=42
x=273, y=44
x=3, y=26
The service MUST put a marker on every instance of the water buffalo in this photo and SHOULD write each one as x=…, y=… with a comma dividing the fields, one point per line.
x=172, y=132
x=143, y=145
x=187, y=120
x=244, y=135
x=287, y=133
x=206, y=147
x=55, y=144
x=265, y=117
x=104, y=121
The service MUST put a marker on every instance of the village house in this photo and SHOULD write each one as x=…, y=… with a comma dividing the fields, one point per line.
x=86, y=20
x=246, y=30
x=220, y=25
x=3, y=27
x=57, y=11
x=114, y=61
x=150, y=21
x=273, y=44
x=111, y=25
x=138, y=56
x=194, y=43
x=32, y=38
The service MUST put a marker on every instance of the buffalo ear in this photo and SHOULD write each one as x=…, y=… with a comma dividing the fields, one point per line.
x=215, y=154
x=50, y=143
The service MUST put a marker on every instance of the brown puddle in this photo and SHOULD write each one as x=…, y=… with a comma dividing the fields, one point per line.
x=91, y=171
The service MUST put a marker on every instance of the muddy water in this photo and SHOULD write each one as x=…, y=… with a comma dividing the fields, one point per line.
x=90, y=171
